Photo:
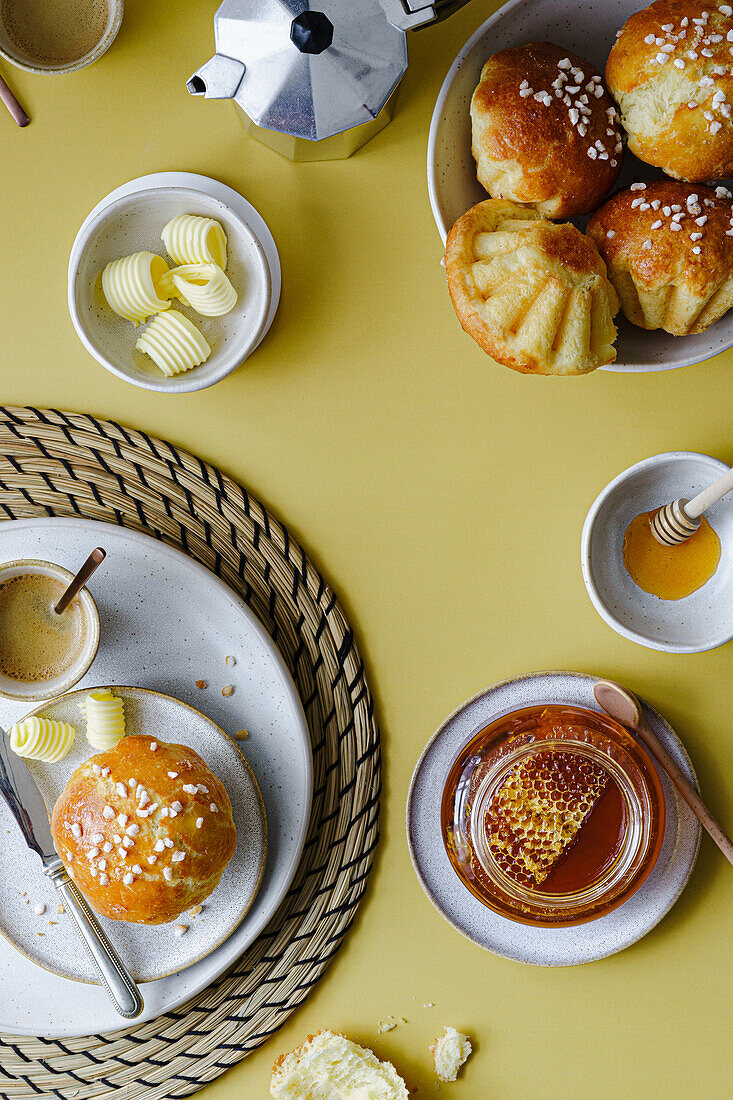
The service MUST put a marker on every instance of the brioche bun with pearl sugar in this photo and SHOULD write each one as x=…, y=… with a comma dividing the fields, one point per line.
x=668, y=247
x=671, y=72
x=545, y=131
x=145, y=830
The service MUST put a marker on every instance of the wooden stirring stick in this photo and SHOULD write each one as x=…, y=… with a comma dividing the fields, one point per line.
x=626, y=709
x=92, y=563
x=12, y=104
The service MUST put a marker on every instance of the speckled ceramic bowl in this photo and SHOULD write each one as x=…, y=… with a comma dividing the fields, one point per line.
x=452, y=898
x=700, y=621
x=588, y=30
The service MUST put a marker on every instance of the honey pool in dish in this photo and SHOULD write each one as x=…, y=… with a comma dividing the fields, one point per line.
x=596, y=868
x=669, y=572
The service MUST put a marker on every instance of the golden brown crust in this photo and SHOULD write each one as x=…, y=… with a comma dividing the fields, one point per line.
x=531, y=138
x=120, y=846
x=532, y=294
x=677, y=112
x=677, y=279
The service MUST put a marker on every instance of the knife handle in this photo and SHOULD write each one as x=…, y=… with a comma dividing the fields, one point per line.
x=119, y=985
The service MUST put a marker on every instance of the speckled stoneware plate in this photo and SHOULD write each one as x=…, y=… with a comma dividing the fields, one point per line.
x=149, y=952
x=701, y=620
x=542, y=946
x=166, y=623
x=590, y=31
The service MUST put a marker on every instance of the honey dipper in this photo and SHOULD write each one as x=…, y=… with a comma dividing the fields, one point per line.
x=626, y=709
x=676, y=522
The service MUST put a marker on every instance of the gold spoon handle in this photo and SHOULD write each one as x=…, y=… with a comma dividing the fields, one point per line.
x=92, y=563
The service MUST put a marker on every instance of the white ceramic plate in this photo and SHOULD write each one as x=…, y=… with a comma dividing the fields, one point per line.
x=698, y=622
x=588, y=30
x=130, y=219
x=542, y=946
x=148, y=952
x=167, y=622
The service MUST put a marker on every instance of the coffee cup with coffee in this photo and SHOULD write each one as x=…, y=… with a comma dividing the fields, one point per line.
x=57, y=36
x=42, y=653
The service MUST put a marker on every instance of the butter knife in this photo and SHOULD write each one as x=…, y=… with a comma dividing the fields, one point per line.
x=19, y=790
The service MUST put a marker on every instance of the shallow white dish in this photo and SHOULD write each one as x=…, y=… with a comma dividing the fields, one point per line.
x=148, y=952
x=590, y=31
x=698, y=622
x=130, y=219
x=167, y=622
x=542, y=946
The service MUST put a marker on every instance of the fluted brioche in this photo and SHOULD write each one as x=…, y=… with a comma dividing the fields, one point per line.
x=145, y=830
x=671, y=73
x=677, y=279
x=532, y=294
x=545, y=130
x=327, y=1066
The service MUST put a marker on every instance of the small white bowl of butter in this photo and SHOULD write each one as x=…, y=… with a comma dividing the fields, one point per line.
x=697, y=622
x=130, y=220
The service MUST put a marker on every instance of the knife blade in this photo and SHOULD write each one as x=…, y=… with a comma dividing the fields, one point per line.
x=18, y=788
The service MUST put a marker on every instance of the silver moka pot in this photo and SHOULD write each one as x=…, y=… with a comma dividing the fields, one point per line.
x=314, y=81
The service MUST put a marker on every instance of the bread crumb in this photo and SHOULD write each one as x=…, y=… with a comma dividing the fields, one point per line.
x=450, y=1050
x=429, y=1004
x=227, y=690
x=60, y=909
x=194, y=910
x=231, y=661
x=241, y=735
x=386, y=1025
x=39, y=909
x=180, y=930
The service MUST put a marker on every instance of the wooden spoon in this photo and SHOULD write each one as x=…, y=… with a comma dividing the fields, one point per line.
x=92, y=563
x=12, y=104
x=626, y=709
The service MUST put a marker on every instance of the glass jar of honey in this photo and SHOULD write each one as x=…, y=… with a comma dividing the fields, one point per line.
x=553, y=815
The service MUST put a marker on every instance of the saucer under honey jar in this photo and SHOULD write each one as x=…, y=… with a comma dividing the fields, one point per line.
x=622, y=886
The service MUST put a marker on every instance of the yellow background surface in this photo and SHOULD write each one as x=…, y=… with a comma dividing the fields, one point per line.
x=442, y=496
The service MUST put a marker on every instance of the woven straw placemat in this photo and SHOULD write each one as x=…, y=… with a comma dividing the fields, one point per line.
x=61, y=464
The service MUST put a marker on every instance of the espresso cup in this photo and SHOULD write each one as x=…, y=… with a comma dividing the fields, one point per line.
x=12, y=687
x=18, y=46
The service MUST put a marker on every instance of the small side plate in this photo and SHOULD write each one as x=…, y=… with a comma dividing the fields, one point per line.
x=542, y=946
x=149, y=952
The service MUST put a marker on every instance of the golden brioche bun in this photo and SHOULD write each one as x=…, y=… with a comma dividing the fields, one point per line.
x=671, y=72
x=144, y=857
x=534, y=295
x=538, y=143
x=679, y=280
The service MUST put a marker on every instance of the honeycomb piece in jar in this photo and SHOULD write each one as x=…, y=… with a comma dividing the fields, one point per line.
x=537, y=813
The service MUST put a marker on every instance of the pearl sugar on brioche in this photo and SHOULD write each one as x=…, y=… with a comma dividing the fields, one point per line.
x=145, y=830
x=545, y=131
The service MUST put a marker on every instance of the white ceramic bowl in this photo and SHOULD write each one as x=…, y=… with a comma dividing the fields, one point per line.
x=131, y=220
x=47, y=689
x=18, y=57
x=698, y=622
x=588, y=30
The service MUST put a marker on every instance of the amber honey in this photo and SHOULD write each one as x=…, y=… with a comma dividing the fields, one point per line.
x=583, y=785
x=670, y=572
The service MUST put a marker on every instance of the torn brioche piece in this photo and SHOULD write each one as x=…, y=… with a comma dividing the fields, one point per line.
x=450, y=1050
x=328, y=1066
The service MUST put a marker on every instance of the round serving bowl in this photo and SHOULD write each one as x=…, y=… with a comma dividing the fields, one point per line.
x=698, y=622
x=588, y=30
x=130, y=220
x=618, y=845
